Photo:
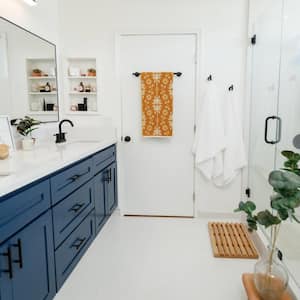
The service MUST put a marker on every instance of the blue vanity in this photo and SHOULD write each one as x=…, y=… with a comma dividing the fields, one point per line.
x=47, y=225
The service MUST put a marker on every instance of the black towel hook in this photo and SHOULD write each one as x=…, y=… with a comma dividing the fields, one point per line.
x=231, y=88
x=209, y=78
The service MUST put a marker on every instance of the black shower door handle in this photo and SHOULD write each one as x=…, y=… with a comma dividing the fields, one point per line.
x=278, y=130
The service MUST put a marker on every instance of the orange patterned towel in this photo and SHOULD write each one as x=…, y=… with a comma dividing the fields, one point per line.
x=157, y=104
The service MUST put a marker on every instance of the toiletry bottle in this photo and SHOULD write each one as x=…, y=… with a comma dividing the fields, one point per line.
x=48, y=87
x=44, y=105
x=81, y=87
x=85, y=99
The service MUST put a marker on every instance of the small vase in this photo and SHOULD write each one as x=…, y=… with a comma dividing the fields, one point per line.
x=27, y=143
x=270, y=277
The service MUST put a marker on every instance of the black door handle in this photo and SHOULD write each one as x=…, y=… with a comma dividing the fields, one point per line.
x=278, y=130
x=9, y=270
x=127, y=139
x=267, y=130
x=20, y=260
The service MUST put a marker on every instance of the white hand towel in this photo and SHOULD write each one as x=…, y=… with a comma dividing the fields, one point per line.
x=209, y=138
x=234, y=156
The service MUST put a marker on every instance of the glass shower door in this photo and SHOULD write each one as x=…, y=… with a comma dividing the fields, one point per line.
x=264, y=99
x=289, y=110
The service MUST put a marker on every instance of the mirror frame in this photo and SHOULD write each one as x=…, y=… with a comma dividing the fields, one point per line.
x=55, y=57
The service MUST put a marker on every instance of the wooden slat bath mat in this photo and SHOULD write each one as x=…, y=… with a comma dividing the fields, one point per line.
x=231, y=240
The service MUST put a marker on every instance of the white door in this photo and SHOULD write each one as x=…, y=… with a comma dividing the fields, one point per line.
x=158, y=172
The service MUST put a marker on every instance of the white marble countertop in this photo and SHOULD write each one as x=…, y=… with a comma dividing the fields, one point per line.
x=24, y=167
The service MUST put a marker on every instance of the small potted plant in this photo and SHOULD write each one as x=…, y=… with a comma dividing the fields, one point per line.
x=36, y=73
x=92, y=72
x=25, y=127
x=270, y=276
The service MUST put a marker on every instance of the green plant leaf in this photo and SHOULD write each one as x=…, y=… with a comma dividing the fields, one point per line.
x=266, y=219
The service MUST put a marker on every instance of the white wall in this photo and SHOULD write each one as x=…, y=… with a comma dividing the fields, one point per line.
x=41, y=19
x=88, y=29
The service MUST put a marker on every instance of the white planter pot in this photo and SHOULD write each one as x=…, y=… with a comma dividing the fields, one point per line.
x=27, y=144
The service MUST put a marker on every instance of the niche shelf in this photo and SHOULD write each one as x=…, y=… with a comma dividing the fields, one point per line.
x=82, y=87
x=36, y=83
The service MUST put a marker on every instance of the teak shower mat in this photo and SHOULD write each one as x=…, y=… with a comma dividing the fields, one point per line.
x=231, y=240
x=157, y=104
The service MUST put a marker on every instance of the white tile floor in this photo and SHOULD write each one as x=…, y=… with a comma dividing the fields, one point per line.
x=154, y=259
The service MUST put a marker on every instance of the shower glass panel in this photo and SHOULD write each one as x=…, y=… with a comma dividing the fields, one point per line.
x=275, y=92
x=289, y=110
x=264, y=98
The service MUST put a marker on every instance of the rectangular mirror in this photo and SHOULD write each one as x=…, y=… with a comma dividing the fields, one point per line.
x=28, y=77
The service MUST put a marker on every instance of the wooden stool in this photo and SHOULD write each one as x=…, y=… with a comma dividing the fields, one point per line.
x=251, y=290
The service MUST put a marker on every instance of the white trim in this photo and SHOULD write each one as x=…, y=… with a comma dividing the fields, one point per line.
x=198, y=56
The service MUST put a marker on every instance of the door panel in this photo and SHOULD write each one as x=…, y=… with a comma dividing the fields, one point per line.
x=100, y=198
x=159, y=171
x=33, y=254
x=112, y=189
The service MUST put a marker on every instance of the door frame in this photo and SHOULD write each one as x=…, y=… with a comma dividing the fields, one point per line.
x=198, y=80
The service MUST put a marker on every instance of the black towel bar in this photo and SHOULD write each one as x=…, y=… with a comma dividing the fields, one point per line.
x=137, y=74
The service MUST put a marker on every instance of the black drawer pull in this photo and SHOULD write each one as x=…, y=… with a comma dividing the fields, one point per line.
x=77, y=207
x=9, y=262
x=20, y=260
x=77, y=176
x=78, y=243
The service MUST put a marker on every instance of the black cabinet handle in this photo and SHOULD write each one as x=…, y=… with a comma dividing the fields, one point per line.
x=78, y=243
x=106, y=176
x=9, y=270
x=127, y=139
x=76, y=207
x=20, y=254
x=110, y=175
x=77, y=176
x=267, y=130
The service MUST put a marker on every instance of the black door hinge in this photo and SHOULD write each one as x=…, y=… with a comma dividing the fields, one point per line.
x=248, y=192
x=253, y=40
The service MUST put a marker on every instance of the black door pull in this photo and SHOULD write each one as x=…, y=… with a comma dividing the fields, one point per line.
x=9, y=270
x=127, y=139
x=278, y=130
x=20, y=254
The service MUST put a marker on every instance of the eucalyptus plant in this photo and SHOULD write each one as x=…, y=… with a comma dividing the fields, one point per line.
x=283, y=202
x=27, y=125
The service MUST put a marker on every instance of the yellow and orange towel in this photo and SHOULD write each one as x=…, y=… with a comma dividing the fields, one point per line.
x=157, y=104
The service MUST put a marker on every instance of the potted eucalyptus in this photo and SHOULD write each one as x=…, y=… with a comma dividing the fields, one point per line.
x=25, y=127
x=270, y=276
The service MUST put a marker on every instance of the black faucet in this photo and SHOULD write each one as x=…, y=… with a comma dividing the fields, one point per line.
x=61, y=136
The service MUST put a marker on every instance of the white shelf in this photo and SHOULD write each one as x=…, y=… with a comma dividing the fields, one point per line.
x=82, y=77
x=83, y=113
x=52, y=112
x=82, y=93
x=41, y=77
x=42, y=93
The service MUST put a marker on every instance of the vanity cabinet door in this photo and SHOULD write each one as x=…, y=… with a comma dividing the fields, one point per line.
x=6, y=272
x=100, y=181
x=33, y=261
x=111, y=189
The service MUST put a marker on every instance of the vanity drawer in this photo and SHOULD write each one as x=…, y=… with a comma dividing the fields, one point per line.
x=70, y=212
x=17, y=210
x=70, y=179
x=104, y=158
x=69, y=253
